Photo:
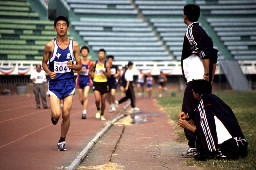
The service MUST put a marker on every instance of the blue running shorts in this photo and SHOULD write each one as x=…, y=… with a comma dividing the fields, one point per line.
x=62, y=88
x=83, y=81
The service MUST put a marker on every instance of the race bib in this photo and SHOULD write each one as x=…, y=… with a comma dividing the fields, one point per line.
x=98, y=71
x=113, y=71
x=61, y=67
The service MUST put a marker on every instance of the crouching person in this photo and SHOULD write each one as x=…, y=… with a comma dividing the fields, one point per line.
x=218, y=134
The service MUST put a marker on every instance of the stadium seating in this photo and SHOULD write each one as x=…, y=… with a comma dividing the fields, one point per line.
x=23, y=34
x=234, y=22
x=102, y=7
x=125, y=38
x=160, y=7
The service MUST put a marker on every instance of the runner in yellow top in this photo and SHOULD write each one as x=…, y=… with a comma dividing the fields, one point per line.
x=100, y=70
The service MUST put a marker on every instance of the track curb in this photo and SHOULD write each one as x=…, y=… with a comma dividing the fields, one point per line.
x=90, y=145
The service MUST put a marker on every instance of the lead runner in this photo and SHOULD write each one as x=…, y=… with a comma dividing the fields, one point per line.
x=60, y=54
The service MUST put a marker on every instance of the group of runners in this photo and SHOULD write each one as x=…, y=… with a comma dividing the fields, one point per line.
x=162, y=79
x=62, y=59
x=209, y=124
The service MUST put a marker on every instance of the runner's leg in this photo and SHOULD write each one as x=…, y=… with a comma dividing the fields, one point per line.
x=67, y=105
x=86, y=92
x=81, y=96
x=103, y=103
x=55, y=107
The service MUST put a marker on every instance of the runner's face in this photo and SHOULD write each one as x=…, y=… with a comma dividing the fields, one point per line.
x=84, y=52
x=61, y=28
x=101, y=55
x=110, y=60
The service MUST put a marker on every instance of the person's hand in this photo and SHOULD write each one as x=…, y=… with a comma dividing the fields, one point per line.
x=83, y=70
x=52, y=75
x=183, y=123
x=206, y=77
x=115, y=75
x=183, y=116
x=70, y=65
x=102, y=71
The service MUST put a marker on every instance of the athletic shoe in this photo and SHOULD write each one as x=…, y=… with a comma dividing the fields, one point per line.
x=113, y=108
x=62, y=146
x=135, y=109
x=98, y=114
x=83, y=116
x=82, y=102
x=116, y=102
x=190, y=152
x=54, y=121
x=102, y=117
x=160, y=95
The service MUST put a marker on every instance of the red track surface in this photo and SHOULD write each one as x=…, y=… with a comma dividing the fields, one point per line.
x=28, y=140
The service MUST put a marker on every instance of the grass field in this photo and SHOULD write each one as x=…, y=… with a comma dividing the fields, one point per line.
x=243, y=105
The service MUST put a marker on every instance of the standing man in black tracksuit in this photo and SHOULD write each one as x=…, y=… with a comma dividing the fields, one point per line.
x=198, y=61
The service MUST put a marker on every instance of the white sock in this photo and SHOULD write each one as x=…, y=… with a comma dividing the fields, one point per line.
x=84, y=112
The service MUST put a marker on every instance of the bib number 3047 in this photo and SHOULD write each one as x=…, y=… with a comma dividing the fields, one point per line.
x=61, y=67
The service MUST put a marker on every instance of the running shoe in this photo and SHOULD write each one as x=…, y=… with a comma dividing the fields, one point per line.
x=190, y=152
x=98, y=114
x=62, y=146
x=83, y=116
x=116, y=103
x=113, y=108
x=54, y=121
x=102, y=117
x=135, y=109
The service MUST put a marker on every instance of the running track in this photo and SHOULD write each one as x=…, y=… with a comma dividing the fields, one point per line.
x=28, y=140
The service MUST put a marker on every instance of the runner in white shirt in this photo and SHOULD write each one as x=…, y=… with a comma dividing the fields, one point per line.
x=38, y=78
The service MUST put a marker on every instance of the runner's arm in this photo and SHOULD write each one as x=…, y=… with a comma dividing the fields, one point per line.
x=108, y=71
x=91, y=69
x=47, y=53
x=117, y=75
x=78, y=64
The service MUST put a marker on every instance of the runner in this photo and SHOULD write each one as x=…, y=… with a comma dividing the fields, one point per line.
x=112, y=83
x=140, y=83
x=84, y=80
x=150, y=82
x=121, y=82
x=60, y=54
x=162, y=80
x=100, y=70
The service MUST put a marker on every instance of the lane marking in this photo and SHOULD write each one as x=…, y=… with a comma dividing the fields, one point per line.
x=2, y=146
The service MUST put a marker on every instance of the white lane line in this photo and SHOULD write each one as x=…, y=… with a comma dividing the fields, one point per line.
x=2, y=146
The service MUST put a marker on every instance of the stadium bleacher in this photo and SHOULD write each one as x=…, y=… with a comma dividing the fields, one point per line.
x=102, y=7
x=234, y=23
x=23, y=34
x=127, y=38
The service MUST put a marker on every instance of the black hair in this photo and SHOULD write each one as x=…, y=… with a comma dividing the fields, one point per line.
x=201, y=87
x=61, y=18
x=85, y=47
x=192, y=12
x=110, y=56
x=38, y=65
x=130, y=63
x=102, y=50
